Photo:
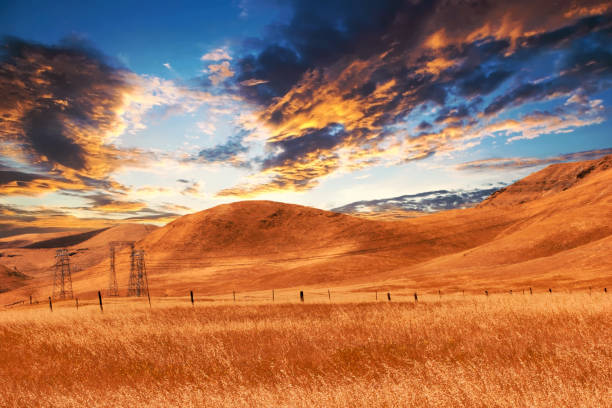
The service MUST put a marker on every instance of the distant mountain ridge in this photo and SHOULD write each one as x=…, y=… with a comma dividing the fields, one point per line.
x=426, y=202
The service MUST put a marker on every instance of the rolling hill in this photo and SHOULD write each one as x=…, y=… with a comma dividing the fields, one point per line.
x=551, y=229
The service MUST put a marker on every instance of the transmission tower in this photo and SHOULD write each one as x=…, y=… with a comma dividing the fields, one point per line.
x=62, y=280
x=139, y=284
x=113, y=288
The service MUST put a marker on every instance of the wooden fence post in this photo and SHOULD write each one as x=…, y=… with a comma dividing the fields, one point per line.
x=234, y=294
x=100, y=300
x=389, y=296
x=416, y=298
x=30, y=299
x=550, y=290
x=77, y=303
x=487, y=293
x=329, y=295
x=301, y=296
x=530, y=291
x=50, y=304
x=376, y=295
x=273, y=295
x=191, y=295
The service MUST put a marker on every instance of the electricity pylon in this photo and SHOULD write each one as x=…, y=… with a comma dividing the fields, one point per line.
x=139, y=284
x=62, y=279
x=113, y=288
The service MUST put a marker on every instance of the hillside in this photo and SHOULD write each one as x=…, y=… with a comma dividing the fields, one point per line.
x=38, y=258
x=551, y=229
x=11, y=279
x=22, y=240
x=550, y=181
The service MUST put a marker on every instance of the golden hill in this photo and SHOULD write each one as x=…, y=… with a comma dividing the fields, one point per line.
x=551, y=229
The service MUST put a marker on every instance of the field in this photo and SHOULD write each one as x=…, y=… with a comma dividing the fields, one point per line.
x=515, y=350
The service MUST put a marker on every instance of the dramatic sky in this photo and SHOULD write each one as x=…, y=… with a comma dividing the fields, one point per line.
x=114, y=111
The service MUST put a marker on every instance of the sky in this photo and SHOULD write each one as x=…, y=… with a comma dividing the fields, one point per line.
x=117, y=112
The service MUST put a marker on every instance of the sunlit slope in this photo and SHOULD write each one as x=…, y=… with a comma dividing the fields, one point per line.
x=553, y=228
x=555, y=222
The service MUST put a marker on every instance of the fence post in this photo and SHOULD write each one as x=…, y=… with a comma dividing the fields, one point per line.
x=510, y=291
x=530, y=291
x=487, y=293
x=389, y=296
x=191, y=295
x=329, y=295
x=416, y=298
x=550, y=290
x=30, y=299
x=234, y=294
x=301, y=296
x=77, y=303
x=589, y=291
x=273, y=295
x=100, y=300
x=50, y=304
x=376, y=295
x=440, y=293
x=605, y=290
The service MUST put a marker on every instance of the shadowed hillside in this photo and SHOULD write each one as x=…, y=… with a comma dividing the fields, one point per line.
x=11, y=279
x=66, y=241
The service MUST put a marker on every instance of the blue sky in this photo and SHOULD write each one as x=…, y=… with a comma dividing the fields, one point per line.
x=121, y=111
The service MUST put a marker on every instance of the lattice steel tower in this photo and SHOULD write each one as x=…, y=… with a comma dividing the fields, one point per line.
x=113, y=288
x=62, y=280
x=139, y=283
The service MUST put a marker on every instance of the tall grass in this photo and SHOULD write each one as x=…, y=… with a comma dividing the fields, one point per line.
x=523, y=351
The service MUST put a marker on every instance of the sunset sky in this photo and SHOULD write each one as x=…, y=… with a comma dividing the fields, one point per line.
x=124, y=111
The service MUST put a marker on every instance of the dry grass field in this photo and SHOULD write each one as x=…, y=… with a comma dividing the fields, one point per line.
x=498, y=351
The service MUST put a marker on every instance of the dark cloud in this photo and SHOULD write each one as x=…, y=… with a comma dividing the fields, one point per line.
x=367, y=67
x=453, y=114
x=482, y=83
x=313, y=140
x=226, y=152
x=58, y=104
x=321, y=34
x=9, y=176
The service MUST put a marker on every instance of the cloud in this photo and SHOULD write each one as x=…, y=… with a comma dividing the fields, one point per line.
x=253, y=82
x=192, y=189
x=231, y=152
x=220, y=72
x=218, y=54
x=344, y=81
x=63, y=109
x=513, y=163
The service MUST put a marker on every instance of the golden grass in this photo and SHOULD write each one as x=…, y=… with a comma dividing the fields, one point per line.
x=520, y=351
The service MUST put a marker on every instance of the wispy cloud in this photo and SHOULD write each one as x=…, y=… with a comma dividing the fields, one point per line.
x=512, y=163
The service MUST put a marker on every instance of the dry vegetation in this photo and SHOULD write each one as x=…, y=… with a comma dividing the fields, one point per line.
x=504, y=350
